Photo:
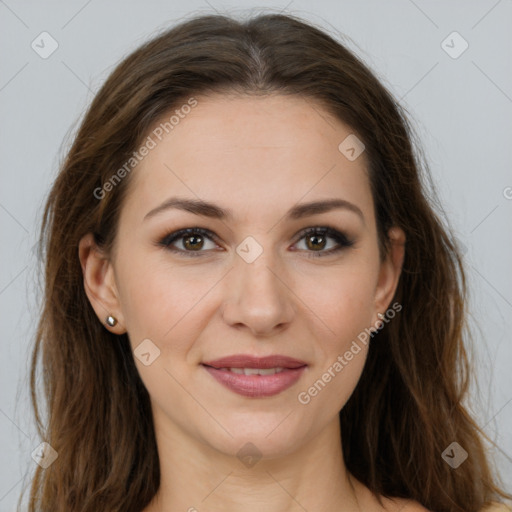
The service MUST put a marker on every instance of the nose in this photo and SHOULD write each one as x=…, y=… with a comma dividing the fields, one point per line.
x=258, y=297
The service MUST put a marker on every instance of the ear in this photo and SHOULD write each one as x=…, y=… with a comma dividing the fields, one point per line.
x=390, y=270
x=99, y=283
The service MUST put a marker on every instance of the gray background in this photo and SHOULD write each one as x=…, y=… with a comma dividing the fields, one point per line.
x=461, y=108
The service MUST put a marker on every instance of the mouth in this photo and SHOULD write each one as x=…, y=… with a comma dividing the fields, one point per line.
x=256, y=377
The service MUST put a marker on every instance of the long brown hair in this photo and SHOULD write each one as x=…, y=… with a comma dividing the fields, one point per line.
x=407, y=407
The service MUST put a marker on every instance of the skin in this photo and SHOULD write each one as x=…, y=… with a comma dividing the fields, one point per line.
x=257, y=156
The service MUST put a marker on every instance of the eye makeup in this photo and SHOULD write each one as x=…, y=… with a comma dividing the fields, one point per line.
x=323, y=233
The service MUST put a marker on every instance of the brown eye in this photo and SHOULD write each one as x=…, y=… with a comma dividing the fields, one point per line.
x=317, y=239
x=193, y=242
x=315, y=242
x=189, y=241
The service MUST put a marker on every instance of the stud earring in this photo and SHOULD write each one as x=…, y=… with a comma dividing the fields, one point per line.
x=381, y=316
x=111, y=321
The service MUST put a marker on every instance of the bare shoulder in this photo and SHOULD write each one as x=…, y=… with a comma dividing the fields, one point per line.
x=404, y=505
x=388, y=504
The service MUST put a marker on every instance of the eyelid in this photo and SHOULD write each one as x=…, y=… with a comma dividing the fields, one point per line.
x=343, y=241
x=176, y=235
x=325, y=230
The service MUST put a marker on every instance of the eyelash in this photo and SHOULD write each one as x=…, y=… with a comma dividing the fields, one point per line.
x=342, y=240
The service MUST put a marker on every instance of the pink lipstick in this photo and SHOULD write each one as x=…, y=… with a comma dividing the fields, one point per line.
x=256, y=376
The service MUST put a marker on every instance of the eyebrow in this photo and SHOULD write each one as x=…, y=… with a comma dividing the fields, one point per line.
x=208, y=209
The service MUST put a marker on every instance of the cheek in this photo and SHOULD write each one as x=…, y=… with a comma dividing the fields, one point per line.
x=163, y=302
x=335, y=384
x=343, y=299
x=340, y=354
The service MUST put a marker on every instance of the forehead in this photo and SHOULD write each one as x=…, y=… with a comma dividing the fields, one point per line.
x=259, y=154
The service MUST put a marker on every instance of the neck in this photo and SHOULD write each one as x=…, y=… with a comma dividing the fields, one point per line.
x=197, y=477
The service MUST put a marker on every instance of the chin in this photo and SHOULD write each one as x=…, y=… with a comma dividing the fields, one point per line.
x=268, y=435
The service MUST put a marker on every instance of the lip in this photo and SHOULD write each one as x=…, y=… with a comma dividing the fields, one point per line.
x=246, y=361
x=256, y=386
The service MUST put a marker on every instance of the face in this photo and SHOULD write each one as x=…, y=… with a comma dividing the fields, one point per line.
x=256, y=276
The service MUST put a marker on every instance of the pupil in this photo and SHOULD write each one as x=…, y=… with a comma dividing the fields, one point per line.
x=316, y=238
x=193, y=237
x=313, y=240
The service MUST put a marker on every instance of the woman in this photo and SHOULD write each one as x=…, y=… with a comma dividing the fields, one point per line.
x=249, y=299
